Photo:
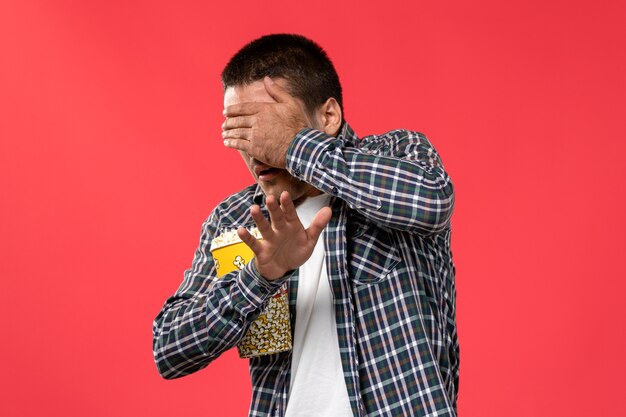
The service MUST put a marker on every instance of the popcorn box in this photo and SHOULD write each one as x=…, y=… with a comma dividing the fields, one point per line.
x=271, y=331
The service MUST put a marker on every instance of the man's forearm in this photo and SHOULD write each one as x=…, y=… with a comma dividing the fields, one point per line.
x=398, y=186
x=198, y=324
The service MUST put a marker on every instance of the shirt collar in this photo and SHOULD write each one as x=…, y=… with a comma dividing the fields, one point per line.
x=347, y=135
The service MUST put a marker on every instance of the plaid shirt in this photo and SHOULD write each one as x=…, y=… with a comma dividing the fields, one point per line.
x=390, y=270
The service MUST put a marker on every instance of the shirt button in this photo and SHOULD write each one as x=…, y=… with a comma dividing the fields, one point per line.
x=296, y=172
x=335, y=190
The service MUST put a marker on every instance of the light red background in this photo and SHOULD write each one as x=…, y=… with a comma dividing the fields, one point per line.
x=111, y=158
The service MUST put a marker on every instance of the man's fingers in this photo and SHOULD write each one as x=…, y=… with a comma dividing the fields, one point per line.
x=238, y=121
x=248, y=239
x=238, y=133
x=286, y=203
x=276, y=212
x=244, y=109
x=320, y=221
x=238, y=144
x=264, y=226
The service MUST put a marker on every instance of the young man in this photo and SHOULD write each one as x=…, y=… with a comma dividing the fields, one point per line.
x=372, y=300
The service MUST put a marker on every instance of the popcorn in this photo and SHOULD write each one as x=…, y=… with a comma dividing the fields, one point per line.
x=270, y=332
x=229, y=237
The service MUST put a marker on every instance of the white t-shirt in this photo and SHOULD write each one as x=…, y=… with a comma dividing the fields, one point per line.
x=318, y=388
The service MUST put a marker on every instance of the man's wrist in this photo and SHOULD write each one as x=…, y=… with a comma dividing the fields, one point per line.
x=270, y=275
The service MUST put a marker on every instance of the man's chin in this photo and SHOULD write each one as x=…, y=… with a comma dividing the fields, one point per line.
x=298, y=190
x=274, y=190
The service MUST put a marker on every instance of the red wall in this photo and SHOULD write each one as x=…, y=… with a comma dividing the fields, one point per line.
x=111, y=158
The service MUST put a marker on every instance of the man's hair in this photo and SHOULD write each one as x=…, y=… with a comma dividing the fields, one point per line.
x=309, y=72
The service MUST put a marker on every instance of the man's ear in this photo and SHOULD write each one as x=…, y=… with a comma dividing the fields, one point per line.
x=329, y=116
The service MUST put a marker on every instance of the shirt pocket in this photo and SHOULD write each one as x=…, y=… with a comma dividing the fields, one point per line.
x=372, y=252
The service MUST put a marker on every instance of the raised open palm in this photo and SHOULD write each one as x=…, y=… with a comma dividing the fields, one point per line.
x=286, y=244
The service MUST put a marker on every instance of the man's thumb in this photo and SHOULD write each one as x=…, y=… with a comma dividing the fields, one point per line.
x=275, y=90
x=320, y=221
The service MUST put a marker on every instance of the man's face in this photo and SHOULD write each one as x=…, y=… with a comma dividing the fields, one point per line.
x=273, y=181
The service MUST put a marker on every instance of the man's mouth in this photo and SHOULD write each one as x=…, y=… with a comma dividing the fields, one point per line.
x=265, y=172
